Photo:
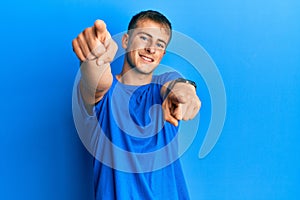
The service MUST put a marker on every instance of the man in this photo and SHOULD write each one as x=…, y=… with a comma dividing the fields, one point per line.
x=122, y=105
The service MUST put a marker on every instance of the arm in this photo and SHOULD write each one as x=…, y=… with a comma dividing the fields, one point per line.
x=180, y=103
x=95, y=81
x=95, y=49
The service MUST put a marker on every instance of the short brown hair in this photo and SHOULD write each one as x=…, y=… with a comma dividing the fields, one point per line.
x=152, y=15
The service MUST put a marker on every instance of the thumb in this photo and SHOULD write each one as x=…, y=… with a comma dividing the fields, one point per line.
x=100, y=30
x=110, y=53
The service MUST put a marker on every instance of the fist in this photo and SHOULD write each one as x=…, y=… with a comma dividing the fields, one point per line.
x=182, y=103
x=95, y=43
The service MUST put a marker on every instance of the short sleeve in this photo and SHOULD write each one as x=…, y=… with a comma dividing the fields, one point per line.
x=85, y=123
x=79, y=102
x=166, y=77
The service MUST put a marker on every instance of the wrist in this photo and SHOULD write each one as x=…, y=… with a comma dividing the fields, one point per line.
x=174, y=82
x=183, y=80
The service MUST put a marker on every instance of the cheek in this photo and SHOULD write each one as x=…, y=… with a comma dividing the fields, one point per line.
x=160, y=56
x=136, y=46
x=133, y=56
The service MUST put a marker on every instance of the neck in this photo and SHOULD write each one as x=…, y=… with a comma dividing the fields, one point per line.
x=131, y=76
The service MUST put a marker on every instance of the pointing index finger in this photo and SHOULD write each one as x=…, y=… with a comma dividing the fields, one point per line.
x=100, y=30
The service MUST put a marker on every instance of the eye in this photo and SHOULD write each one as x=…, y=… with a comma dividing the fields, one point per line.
x=144, y=38
x=160, y=45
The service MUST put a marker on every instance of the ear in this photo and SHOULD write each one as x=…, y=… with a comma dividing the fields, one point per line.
x=125, y=39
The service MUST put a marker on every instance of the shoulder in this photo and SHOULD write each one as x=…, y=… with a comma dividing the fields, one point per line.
x=166, y=77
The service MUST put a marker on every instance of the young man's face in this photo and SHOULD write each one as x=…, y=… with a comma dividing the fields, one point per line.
x=146, y=45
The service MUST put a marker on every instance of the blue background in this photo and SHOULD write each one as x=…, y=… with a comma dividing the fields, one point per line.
x=255, y=45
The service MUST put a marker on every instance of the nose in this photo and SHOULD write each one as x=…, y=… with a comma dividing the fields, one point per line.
x=150, y=49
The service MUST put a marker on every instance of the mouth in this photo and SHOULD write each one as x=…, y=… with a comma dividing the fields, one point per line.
x=146, y=58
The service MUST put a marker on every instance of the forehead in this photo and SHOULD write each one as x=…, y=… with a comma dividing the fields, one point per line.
x=152, y=27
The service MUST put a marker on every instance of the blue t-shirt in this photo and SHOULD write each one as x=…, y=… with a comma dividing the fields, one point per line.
x=135, y=150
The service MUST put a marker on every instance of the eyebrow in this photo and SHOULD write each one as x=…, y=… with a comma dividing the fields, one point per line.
x=139, y=33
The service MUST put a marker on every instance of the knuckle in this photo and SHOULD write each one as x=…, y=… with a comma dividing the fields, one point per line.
x=80, y=37
x=188, y=96
x=86, y=31
x=74, y=44
x=199, y=103
x=185, y=118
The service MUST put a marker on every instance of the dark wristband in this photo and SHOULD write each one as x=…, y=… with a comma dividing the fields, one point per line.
x=179, y=80
x=183, y=80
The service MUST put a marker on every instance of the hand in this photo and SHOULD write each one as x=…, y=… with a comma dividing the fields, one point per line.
x=182, y=103
x=95, y=43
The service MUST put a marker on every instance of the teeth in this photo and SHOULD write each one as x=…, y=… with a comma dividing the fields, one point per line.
x=147, y=59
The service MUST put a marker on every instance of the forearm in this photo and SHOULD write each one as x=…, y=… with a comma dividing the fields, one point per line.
x=168, y=87
x=165, y=89
x=95, y=81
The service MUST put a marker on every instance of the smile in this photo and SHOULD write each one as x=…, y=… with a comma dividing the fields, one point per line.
x=147, y=59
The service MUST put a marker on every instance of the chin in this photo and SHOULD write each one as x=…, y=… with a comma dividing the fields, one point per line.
x=145, y=72
x=146, y=68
